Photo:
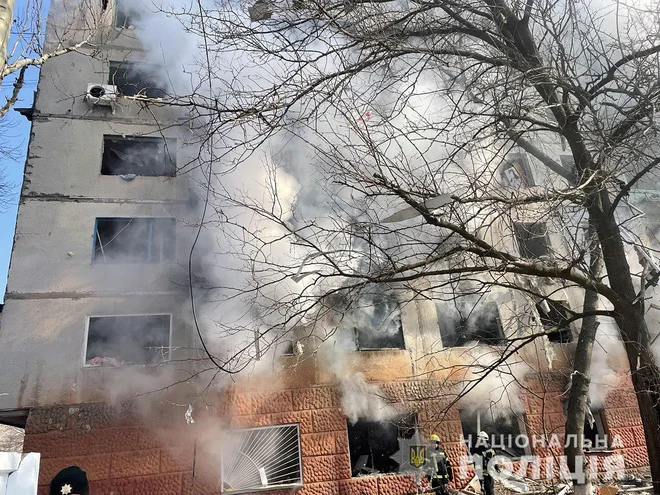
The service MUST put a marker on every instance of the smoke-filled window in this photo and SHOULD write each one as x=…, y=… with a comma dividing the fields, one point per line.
x=136, y=79
x=532, y=239
x=377, y=322
x=125, y=14
x=261, y=458
x=554, y=316
x=134, y=240
x=147, y=156
x=124, y=340
x=515, y=172
x=502, y=427
x=463, y=321
x=372, y=444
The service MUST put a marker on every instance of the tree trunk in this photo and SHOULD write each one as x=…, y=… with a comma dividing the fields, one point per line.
x=581, y=377
x=6, y=17
x=634, y=331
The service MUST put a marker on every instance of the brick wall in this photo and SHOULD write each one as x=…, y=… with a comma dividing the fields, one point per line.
x=126, y=455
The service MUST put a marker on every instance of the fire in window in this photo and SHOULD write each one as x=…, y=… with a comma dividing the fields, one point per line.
x=554, y=318
x=377, y=322
x=503, y=429
x=463, y=321
x=136, y=79
x=515, y=172
x=134, y=240
x=380, y=446
x=261, y=458
x=532, y=239
x=137, y=155
x=125, y=340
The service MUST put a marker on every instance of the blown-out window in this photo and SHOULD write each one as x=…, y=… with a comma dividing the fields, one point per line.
x=138, y=155
x=136, y=79
x=125, y=14
x=503, y=428
x=377, y=320
x=463, y=321
x=134, y=240
x=515, y=172
x=131, y=339
x=532, y=239
x=554, y=318
x=261, y=458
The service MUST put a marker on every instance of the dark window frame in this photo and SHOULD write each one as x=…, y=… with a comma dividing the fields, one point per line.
x=519, y=162
x=599, y=430
x=360, y=448
x=169, y=147
x=149, y=258
x=388, y=300
x=524, y=232
x=122, y=19
x=457, y=336
x=559, y=312
x=132, y=78
x=495, y=427
x=88, y=330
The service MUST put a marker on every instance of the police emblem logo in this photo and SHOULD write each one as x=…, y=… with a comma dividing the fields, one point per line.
x=417, y=455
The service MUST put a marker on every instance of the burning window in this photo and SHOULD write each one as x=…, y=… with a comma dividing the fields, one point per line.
x=147, y=156
x=261, y=458
x=373, y=444
x=462, y=321
x=504, y=429
x=134, y=240
x=135, y=79
x=125, y=15
x=554, y=316
x=377, y=323
x=532, y=239
x=124, y=340
x=515, y=172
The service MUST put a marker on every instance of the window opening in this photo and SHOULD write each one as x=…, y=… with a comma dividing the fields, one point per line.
x=136, y=79
x=532, y=239
x=125, y=340
x=261, y=458
x=125, y=15
x=145, y=156
x=555, y=315
x=377, y=323
x=463, y=321
x=595, y=435
x=374, y=445
x=134, y=240
x=515, y=172
x=503, y=430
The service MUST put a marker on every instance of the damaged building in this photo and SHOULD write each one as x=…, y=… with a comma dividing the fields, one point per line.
x=97, y=289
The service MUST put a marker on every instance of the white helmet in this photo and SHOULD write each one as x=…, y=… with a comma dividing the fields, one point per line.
x=483, y=436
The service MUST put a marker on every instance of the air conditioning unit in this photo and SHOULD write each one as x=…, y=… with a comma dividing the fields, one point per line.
x=101, y=94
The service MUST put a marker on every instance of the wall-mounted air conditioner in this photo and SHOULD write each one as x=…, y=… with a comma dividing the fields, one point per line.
x=101, y=94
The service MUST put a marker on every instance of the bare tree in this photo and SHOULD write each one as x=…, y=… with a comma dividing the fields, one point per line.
x=455, y=113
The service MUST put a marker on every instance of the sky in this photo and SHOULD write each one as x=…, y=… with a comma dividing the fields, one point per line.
x=14, y=135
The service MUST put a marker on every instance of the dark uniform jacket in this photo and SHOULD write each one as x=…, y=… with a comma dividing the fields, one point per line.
x=441, y=466
x=486, y=452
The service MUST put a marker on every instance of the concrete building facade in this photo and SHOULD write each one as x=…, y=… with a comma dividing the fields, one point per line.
x=70, y=287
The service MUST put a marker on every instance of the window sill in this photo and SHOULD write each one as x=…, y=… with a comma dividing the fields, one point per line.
x=132, y=366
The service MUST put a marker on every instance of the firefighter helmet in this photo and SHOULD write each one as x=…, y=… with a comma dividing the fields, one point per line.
x=434, y=437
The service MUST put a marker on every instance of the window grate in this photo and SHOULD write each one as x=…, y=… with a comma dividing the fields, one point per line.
x=261, y=458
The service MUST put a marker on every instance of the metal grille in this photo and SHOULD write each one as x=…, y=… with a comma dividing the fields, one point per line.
x=261, y=459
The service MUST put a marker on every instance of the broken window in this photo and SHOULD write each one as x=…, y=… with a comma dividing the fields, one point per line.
x=259, y=458
x=377, y=322
x=125, y=14
x=134, y=240
x=373, y=444
x=462, y=321
x=146, y=156
x=502, y=428
x=124, y=340
x=595, y=435
x=136, y=79
x=532, y=239
x=515, y=172
x=554, y=316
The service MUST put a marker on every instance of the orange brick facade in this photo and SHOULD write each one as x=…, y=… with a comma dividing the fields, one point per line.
x=129, y=453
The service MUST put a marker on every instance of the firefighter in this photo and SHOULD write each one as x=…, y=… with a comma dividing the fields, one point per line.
x=441, y=467
x=482, y=454
x=70, y=481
